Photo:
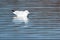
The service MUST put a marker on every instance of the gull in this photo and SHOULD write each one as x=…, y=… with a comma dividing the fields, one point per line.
x=21, y=16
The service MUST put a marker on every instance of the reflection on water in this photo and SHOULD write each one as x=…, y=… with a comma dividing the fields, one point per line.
x=43, y=22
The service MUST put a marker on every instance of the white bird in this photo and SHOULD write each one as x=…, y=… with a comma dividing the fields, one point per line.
x=21, y=16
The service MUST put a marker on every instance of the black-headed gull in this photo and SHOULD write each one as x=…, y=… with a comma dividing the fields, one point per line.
x=21, y=16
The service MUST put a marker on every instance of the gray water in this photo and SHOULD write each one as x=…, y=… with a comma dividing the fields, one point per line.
x=44, y=20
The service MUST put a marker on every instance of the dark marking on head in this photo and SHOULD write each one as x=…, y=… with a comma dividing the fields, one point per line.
x=12, y=10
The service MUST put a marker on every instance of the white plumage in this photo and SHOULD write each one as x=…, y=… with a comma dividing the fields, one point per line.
x=21, y=16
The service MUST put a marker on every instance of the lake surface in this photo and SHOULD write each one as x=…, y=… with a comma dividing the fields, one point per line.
x=44, y=20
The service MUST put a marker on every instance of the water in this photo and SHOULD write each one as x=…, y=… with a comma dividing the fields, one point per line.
x=44, y=23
